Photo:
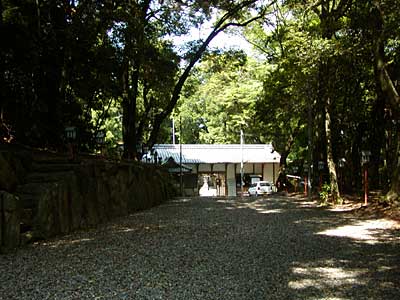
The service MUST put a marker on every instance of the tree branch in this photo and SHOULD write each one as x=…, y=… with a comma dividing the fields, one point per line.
x=220, y=26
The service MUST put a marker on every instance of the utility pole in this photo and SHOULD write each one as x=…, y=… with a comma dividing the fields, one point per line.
x=180, y=155
x=241, y=162
x=173, y=131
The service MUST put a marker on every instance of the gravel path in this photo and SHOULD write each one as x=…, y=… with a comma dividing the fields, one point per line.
x=265, y=248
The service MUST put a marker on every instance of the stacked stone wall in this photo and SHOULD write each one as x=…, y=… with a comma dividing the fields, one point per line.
x=91, y=192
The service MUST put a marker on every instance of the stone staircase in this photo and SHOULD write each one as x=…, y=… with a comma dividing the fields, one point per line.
x=46, y=171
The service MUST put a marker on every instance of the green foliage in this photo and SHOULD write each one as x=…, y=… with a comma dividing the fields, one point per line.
x=324, y=194
x=220, y=99
x=87, y=63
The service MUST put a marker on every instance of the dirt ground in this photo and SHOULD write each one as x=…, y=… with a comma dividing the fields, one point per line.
x=354, y=204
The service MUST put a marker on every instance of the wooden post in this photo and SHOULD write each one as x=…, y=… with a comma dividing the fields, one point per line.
x=305, y=186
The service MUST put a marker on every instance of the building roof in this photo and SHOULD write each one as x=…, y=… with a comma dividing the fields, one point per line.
x=175, y=167
x=218, y=153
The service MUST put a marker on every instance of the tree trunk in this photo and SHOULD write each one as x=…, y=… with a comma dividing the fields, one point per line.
x=329, y=156
x=282, y=181
x=329, y=13
x=130, y=77
x=388, y=88
x=129, y=113
x=393, y=195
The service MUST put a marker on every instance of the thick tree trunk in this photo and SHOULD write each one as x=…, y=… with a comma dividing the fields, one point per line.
x=282, y=181
x=129, y=114
x=393, y=195
x=330, y=11
x=393, y=101
x=130, y=79
x=329, y=156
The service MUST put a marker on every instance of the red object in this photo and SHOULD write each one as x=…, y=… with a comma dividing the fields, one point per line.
x=305, y=186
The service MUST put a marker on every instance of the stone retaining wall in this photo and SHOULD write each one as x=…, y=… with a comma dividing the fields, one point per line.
x=92, y=192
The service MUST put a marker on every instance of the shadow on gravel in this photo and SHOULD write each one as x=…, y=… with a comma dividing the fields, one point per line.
x=283, y=248
x=216, y=248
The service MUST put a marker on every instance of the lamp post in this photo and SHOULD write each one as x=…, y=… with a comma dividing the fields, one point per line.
x=305, y=179
x=295, y=169
x=100, y=138
x=173, y=131
x=321, y=166
x=138, y=150
x=70, y=136
x=70, y=133
x=120, y=149
x=341, y=163
x=364, y=160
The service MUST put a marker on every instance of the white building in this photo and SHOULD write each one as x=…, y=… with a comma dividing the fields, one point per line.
x=218, y=167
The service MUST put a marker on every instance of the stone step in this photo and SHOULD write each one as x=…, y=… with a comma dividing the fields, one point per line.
x=44, y=177
x=40, y=156
x=53, y=167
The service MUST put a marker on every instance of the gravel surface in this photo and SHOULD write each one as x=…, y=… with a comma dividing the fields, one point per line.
x=203, y=248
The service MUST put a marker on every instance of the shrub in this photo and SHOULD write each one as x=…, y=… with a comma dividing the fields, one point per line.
x=325, y=192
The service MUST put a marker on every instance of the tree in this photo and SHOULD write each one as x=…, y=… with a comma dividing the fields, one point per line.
x=220, y=99
x=330, y=14
x=381, y=27
x=231, y=17
x=55, y=67
x=139, y=27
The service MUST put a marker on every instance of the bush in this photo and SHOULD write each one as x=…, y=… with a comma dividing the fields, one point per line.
x=325, y=192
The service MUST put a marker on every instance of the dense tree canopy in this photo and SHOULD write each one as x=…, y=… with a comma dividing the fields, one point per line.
x=322, y=84
x=329, y=91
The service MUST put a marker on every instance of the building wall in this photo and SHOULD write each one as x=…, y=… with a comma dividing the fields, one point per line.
x=205, y=168
x=231, y=179
x=219, y=168
x=194, y=168
x=247, y=168
x=269, y=170
x=258, y=169
x=264, y=169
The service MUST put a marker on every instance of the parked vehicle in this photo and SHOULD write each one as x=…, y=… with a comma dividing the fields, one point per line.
x=260, y=188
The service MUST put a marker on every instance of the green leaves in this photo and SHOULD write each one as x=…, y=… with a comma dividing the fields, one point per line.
x=227, y=90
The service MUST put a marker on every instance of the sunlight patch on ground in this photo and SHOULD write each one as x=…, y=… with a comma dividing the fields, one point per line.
x=231, y=201
x=368, y=231
x=127, y=229
x=269, y=211
x=321, y=277
x=181, y=200
x=308, y=204
x=260, y=207
x=59, y=243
